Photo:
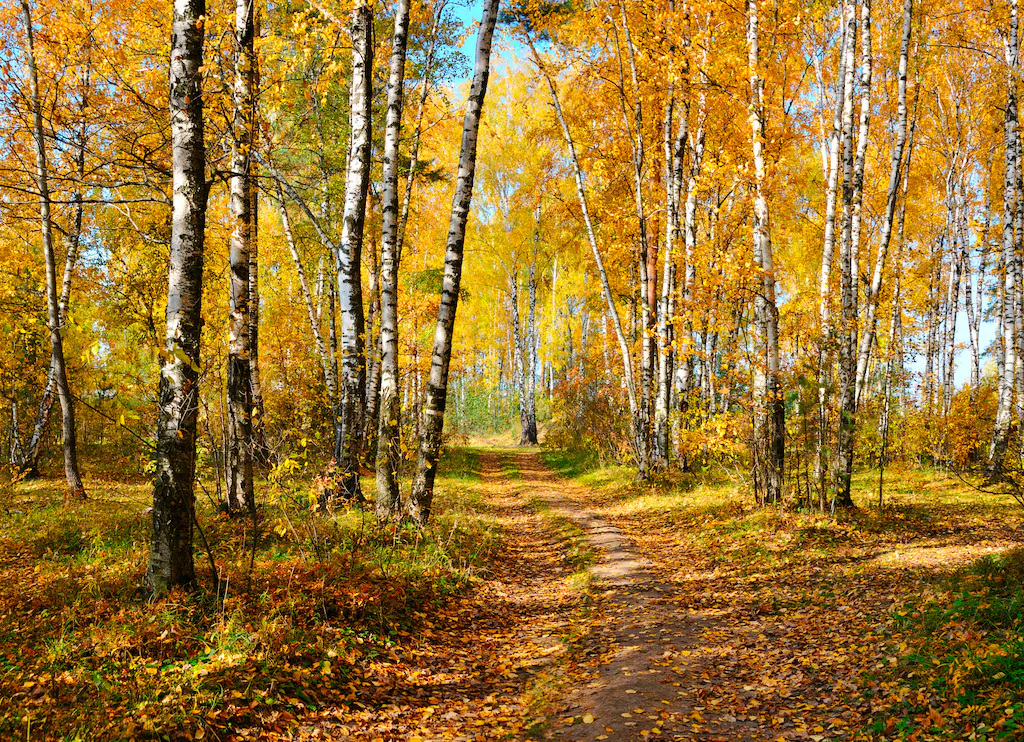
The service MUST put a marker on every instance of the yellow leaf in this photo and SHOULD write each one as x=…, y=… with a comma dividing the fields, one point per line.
x=588, y=718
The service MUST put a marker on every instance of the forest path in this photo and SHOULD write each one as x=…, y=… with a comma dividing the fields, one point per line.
x=713, y=624
x=477, y=666
x=640, y=684
x=687, y=631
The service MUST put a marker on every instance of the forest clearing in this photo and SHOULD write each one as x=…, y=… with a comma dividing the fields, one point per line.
x=537, y=369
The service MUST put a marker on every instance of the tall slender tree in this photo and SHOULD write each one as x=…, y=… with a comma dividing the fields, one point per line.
x=170, y=555
x=27, y=461
x=348, y=258
x=639, y=431
x=388, y=435
x=836, y=143
x=769, y=409
x=54, y=323
x=528, y=391
x=1011, y=197
x=422, y=495
x=77, y=490
x=895, y=176
x=239, y=384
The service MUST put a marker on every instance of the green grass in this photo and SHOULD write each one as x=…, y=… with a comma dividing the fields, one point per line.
x=973, y=628
x=461, y=463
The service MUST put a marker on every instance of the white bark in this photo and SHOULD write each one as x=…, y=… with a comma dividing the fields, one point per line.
x=422, y=495
x=170, y=557
x=1004, y=410
x=239, y=494
x=388, y=435
x=348, y=257
x=895, y=174
x=769, y=412
x=609, y=297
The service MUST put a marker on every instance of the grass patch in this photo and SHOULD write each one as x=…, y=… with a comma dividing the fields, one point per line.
x=578, y=555
x=960, y=671
x=460, y=463
x=288, y=624
x=567, y=463
x=967, y=637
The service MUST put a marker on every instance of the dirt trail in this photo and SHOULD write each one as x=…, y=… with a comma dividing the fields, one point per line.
x=471, y=672
x=641, y=687
x=670, y=649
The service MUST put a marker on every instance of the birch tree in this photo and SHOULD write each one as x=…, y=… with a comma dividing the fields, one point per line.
x=239, y=383
x=170, y=556
x=348, y=256
x=836, y=143
x=769, y=412
x=1011, y=196
x=528, y=391
x=388, y=434
x=853, y=188
x=639, y=430
x=54, y=323
x=895, y=175
x=27, y=461
x=422, y=495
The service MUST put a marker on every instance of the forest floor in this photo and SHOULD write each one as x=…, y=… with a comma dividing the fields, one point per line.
x=720, y=621
x=546, y=602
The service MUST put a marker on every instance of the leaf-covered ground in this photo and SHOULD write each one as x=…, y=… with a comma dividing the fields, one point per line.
x=579, y=608
x=339, y=629
x=790, y=626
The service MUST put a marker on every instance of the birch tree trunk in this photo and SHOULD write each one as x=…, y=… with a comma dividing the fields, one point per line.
x=769, y=412
x=975, y=294
x=520, y=354
x=260, y=447
x=952, y=305
x=837, y=141
x=689, y=224
x=673, y=167
x=648, y=308
x=422, y=495
x=852, y=187
x=170, y=556
x=348, y=256
x=54, y=322
x=239, y=492
x=388, y=431
x=373, y=352
x=1004, y=409
x=529, y=428
x=895, y=174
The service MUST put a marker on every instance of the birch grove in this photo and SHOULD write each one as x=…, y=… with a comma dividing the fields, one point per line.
x=781, y=245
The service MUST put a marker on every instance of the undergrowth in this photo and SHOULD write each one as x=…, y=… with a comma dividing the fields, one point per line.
x=283, y=619
x=965, y=643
